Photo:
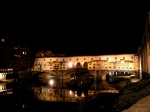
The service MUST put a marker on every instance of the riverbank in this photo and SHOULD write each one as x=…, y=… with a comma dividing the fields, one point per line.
x=126, y=100
x=142, y=105
x=132, y=96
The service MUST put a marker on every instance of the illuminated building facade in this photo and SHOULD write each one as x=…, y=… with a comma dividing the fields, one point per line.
x=144, y=50
x=119, y=62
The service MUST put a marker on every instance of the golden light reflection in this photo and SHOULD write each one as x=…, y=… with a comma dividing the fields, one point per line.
x=82, y=94
x=2, y=76
x=46, y=93
x=51, y=82
x=4, y=90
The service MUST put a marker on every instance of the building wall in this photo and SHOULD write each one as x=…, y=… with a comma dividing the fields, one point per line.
x=13, y=57
x=123, y=62
x=144, y=50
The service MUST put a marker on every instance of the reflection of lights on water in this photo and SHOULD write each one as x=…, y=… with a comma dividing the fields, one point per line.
x=59, y=95
x=4, y=90
x=21, y=105
x=71, y=93
x=2, y=75
x=3, y=87
x=51, y=82
x=83, y=95
x=76, y=94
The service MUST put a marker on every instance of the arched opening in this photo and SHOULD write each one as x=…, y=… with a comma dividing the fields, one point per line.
x=85, y=65
x=78, y=65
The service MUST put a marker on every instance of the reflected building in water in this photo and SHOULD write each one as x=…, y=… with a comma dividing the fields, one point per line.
x=31, y=97
x=60, y=95
x=4, y=90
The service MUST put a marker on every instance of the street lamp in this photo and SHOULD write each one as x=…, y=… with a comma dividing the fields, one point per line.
x=51, y=82
x=70, y=65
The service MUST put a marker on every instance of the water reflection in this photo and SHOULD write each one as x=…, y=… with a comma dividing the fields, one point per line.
x=59, y=90
x=54, y=95
x=45, y=93
x=5, y=90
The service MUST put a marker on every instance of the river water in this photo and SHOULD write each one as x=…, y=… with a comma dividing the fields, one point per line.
x=25, y=95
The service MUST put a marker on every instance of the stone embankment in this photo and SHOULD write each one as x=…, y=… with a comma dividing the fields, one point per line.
x=141, y=106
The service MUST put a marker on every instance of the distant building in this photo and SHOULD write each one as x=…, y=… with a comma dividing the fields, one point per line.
x=22, y=58
x=13, y=57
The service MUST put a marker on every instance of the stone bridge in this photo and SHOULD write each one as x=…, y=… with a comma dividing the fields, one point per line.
x=98, y=74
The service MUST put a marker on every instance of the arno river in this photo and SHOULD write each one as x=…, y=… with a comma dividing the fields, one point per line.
x=26, y=95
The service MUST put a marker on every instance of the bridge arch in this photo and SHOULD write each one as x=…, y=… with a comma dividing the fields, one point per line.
x=78, y=65
x=85, y=65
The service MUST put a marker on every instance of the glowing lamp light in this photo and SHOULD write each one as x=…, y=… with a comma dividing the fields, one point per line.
x=70, y=65
x=70, y=92
x=51, y=82
x=2, y=76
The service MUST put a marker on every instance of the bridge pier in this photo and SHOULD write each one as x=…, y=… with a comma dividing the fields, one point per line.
x=95, y=79
x=3, y=76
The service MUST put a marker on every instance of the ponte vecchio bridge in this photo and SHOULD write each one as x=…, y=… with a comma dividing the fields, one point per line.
x=98, y=65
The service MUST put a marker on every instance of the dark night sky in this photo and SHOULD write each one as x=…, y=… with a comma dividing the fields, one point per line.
x=78, y=28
